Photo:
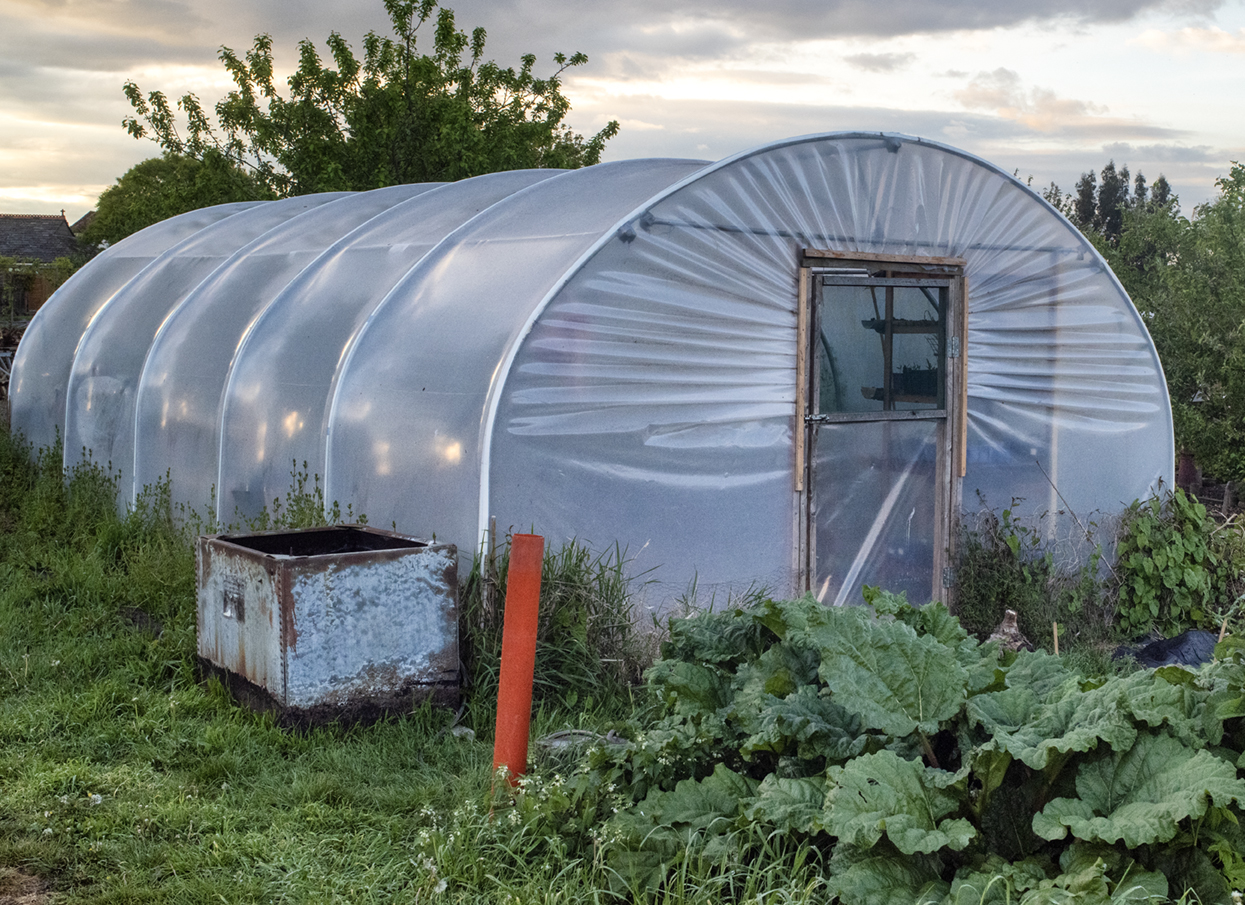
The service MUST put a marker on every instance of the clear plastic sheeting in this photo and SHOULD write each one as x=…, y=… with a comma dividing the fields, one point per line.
x=654, y=399
x=104, y=382
x=413, y=395
x=44, y=360
x=183, y=381
x=285, y=370
x=610, y=354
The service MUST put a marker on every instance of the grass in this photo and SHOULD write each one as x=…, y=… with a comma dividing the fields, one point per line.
x=125, y=779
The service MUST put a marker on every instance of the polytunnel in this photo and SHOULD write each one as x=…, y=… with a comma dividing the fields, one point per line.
x=794, y=368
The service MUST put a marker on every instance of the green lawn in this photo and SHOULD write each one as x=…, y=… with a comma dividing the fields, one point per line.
x=124, y=778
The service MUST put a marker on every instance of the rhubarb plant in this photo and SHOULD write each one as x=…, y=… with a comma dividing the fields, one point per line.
x=924, y=766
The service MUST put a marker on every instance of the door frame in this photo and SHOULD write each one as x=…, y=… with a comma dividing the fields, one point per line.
x=952, y=445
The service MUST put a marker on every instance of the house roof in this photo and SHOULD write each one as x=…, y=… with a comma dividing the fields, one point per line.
x=80, y=225
x=44, y=237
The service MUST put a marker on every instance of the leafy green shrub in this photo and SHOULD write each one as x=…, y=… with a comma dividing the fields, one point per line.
x=304, y=506
x=1005, y=564
x=919, y=766
x=1171, y=566
x=1001, y=567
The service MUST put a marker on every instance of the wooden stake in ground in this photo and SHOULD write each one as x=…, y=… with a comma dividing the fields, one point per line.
x=1055, y=629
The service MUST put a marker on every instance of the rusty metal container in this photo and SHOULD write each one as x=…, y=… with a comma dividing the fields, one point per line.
x=346, y=622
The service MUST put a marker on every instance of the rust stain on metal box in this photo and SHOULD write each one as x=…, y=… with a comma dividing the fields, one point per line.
x=331, y=619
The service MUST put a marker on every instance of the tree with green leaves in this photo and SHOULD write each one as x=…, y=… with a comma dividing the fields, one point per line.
x=396, y=116
x=162, y=187
x=1187, y=278
x=1099, y=201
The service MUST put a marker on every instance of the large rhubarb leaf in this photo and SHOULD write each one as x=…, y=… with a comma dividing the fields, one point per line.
x=1097, y=872
x=726, y=637
x=882, y=794
x=780, y=670
x=994, y=881
x=880, y=877
x=689, y=689
x=790, y=617
x=898, y=681
x=805, y=723
x=694, y=815
x=1077, y=721
x=1139, y=796
x=1039, y=671
x=1170, y=697
x=935, y=621
x=1032, y=681
x=790, y=804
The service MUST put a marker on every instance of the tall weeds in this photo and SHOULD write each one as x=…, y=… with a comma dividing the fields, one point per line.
x=588, y=650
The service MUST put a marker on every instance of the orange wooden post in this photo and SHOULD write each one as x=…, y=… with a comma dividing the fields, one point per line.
x=518, y=654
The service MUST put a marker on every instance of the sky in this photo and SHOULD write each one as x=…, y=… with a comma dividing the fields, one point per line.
x=1047, y=89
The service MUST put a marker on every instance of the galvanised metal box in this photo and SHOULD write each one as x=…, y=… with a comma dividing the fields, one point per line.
x=346, y=622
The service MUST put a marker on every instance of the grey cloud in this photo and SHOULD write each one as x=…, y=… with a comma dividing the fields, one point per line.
x=1123, y=151
x=597, y=21
x=95, y=53
x=715, y=129
x=61, y=97
x=1003, y=93
x=120, y=35
x=880, y=62
x=165, y=21
x=132, y=31
x=991, y=90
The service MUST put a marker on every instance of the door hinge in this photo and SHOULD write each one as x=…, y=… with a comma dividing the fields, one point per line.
x=948, y=577
x=953, y=347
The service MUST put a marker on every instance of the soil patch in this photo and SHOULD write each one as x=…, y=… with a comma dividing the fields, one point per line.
x=17, y=888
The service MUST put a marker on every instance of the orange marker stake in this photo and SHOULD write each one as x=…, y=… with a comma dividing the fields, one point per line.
x=518, y=654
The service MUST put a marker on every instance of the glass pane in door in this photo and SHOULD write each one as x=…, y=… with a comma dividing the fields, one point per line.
x=879, y=348
x=873, y=503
